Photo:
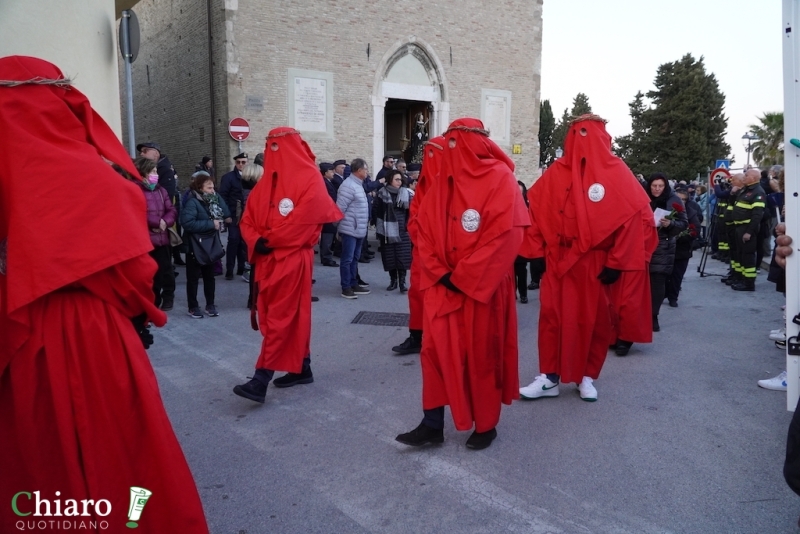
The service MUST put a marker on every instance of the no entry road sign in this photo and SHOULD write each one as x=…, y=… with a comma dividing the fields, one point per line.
x=239, y=129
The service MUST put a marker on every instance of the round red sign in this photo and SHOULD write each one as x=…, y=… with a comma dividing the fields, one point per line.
x=239, y=129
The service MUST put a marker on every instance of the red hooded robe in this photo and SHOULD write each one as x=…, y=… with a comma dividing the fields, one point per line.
x=431, y=160
x=471, y=224
x=80, y=410
x=287, y=207
x=586, y=214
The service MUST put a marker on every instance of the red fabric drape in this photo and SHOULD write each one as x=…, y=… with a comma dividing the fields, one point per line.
x=80, y=410
x=431, y=161
x=287, y=208
x=471, y=224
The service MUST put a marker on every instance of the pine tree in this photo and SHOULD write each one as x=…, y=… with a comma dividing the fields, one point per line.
x=580, y=106
x=547, y=123
x=682, y=132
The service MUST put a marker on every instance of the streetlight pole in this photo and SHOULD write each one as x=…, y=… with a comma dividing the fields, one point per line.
x=749, y=137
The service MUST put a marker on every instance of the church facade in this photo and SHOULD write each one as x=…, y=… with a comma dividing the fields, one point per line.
x=357, y=79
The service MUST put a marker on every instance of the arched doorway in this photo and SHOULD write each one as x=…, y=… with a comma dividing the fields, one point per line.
x=409, y=85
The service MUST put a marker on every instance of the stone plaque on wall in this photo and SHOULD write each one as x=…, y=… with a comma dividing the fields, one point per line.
x=496, y=114
x=311, y=102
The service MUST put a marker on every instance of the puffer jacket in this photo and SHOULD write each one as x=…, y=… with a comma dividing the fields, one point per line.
x=159, y=206
x=663, y=259
x=352, y=200
x=195, y=217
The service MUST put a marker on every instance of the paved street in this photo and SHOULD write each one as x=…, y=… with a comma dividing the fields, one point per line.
x=680, y=440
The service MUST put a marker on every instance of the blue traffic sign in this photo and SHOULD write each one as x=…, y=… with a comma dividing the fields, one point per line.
x=723, y=164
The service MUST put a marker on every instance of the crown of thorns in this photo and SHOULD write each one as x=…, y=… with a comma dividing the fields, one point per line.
x=283, y=134
x=66, y=83
x=437, y=145
x=480, y=131
x=588, y=117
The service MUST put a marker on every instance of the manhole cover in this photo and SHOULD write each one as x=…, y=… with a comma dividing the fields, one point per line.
x=381, y=318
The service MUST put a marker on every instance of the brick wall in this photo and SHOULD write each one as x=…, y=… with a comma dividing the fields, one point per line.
x=495, y=45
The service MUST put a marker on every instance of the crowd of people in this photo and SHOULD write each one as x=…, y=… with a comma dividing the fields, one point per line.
x=457, y=236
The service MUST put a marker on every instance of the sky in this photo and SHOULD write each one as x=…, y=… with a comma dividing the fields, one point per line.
x=609, y=50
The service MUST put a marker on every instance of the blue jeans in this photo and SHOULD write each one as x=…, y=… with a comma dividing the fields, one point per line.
x=348, y=266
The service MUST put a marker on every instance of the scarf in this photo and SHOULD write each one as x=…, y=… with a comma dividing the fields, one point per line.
x=211, y=200
x=387, y=224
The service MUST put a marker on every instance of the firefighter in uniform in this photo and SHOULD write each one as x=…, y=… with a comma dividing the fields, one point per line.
x=748, y=210
x=734, y=272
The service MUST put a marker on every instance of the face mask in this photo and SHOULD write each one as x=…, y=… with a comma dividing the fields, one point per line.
x=152, y=178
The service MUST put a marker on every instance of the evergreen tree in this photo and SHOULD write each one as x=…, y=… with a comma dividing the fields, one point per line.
x=580, y=106
x=547, y=123
x=768, y=150
x=682, y=132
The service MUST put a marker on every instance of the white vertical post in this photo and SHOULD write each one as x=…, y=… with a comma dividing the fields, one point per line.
x=790, y=31
x=378, y=137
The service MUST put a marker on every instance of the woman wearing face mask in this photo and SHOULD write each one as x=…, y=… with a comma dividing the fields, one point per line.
x=161, y=214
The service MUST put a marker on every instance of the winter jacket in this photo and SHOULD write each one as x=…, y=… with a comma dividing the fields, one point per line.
x=195, y=217
x=159, y=206
x=394, y=255
x=167, y=177
x=352, y=200
x=683, y=244
x=330, y=228
x=663, y=258
x=231, y=191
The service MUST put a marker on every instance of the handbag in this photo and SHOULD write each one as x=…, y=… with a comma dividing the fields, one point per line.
x=174, y=239
x=207, y=247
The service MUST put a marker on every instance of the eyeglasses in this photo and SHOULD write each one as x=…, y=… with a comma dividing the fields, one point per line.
x=241, y=161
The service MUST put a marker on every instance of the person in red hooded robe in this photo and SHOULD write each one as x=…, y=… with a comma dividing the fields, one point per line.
x=630, y=296
x=81, y=417
x=587, y=228
x=430, y=170
x=281, y=224
x=469, y=230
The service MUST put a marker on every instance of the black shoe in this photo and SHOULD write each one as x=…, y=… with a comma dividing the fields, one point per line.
x=254, y=390
x=361, y=282
x=167, y=304
x=314, y=299
x=673, y=304
x=293, y=379
x=329, y=264
x=409, y=346
x=533, y=285
x=362, y=259
x=622, y=347
x=523, y=300
x=369, y=255
x=402, y=282
x=229, y=275
x=744, y=285
x=481, y=440
x=656, y=327
x=240, y=272
x=422, y=435
x=392, y=285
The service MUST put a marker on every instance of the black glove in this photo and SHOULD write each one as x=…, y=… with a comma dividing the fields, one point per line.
x=538, y=266
x=261, y=246
x=139, y=324
x=445, y=281
x=608, y=275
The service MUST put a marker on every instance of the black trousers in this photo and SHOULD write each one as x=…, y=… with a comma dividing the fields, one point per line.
x=521, y=275
x=193, y=273
x=237, y=250
x=658, y=289
x=164, y=280
x=325, y=250
x=747, y=254
x=675, y=280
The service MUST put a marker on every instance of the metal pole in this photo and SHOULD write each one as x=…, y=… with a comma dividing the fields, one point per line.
x=748, y=152
x=126, y=57
x=791, y=127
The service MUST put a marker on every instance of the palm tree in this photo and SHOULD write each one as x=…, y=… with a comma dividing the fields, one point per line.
x=768, y=150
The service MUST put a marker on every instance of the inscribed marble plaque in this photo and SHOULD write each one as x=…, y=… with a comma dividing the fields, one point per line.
x=310, y=104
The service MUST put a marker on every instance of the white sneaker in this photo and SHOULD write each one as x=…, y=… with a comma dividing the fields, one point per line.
x=777, y=383
x=541, y=387
x=587, y=390
x=777, y=330
x=778, y=335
